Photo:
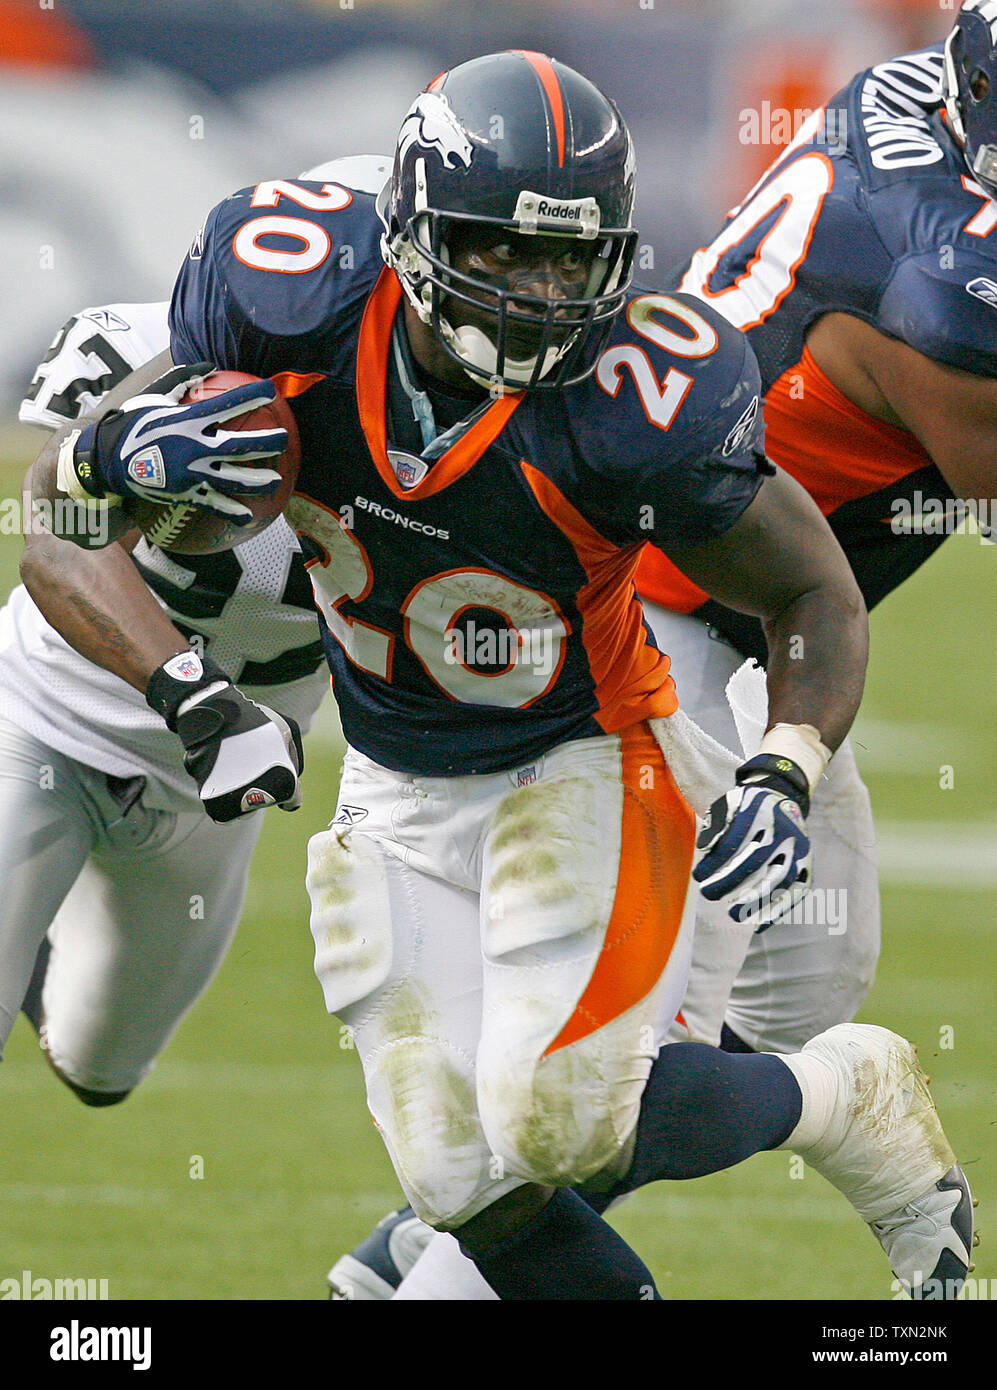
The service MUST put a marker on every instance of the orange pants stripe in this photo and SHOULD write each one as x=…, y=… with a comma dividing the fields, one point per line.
x=658, y=838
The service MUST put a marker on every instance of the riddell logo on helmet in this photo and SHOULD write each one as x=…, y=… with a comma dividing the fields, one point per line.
x=569, y=211
x=534, y=210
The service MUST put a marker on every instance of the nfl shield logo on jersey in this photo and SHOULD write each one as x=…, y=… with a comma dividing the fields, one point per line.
x=409, y=470
x=148, y=468
x=526, y=776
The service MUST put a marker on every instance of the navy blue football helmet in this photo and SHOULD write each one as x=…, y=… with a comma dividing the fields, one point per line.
x=519, y=142
x=971, y=88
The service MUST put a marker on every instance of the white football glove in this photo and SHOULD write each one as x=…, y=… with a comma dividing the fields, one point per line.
x=243, y=756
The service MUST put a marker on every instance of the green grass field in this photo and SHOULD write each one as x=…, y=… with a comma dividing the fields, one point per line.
x=247, y=1163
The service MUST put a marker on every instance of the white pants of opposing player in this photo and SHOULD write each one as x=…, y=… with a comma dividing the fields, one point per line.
x=779, y=989
x=507, y=951
x=139, y=907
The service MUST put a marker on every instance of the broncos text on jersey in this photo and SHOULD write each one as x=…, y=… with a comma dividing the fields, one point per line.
x=870, y=212
x=477, y=608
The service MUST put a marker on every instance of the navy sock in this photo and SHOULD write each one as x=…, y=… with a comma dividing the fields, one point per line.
x=730, y=1042
x=704, y=1110
x=566, y=1252
x=31, y=1004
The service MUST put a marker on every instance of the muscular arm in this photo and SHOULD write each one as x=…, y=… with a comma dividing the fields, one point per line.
x=99, y=603
x=42, y=474
x=951, y=412
x=781, y=563
x=96, y=598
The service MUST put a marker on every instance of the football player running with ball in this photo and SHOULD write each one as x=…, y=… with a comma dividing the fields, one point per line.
x=493, y=423
x=863, y=268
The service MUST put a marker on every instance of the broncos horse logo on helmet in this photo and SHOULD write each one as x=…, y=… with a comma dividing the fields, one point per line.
x=432, y=125
x=520, y=142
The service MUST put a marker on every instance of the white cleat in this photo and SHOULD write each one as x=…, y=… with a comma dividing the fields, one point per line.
x=884, y=1148
x=373, y=1270
x=928, y=1241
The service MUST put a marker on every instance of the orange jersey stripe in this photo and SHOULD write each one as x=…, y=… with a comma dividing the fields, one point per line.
x=827, y=443
x=544, y=69
x=630, y=675
x=807, y=420
x=655, y=862
x=372, y=380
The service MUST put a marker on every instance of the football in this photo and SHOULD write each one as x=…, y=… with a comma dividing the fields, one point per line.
x=188, y=530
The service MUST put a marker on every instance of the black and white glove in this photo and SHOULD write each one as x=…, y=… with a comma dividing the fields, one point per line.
x=243, y=756
x=158, y=449
x=755, y=843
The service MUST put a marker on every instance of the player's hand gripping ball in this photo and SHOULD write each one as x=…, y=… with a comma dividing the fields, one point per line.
x=191, y=530
x=201, y=460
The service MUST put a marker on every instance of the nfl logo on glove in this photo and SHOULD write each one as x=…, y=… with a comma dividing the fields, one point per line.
x=185, y=667
x=149, y=468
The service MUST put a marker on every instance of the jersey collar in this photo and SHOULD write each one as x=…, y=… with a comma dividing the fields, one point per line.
x=372, y=383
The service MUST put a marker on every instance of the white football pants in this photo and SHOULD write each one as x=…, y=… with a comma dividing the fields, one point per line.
x=508, y=951
x=778, y=989
x=140, y=907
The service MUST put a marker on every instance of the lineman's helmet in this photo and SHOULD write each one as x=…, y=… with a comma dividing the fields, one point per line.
x=971, y=88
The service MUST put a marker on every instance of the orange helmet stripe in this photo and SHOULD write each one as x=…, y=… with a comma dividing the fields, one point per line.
x=544, y=69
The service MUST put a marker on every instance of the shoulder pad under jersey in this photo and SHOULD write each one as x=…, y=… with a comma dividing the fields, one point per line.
x=891, y=126
x=673, y=423
x=276, y=278
x=943, y=304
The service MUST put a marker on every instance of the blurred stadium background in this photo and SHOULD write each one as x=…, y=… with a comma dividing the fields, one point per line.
x=246, y=1163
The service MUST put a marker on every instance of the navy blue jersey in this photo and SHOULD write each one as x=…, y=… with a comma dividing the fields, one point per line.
x=481, y=610
x=871, y=211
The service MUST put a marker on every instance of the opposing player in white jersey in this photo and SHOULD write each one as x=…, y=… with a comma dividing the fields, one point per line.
x=122, y=892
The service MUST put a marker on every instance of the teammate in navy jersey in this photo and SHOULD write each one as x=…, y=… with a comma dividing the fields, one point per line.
x=493, y=424
x=863, y=268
